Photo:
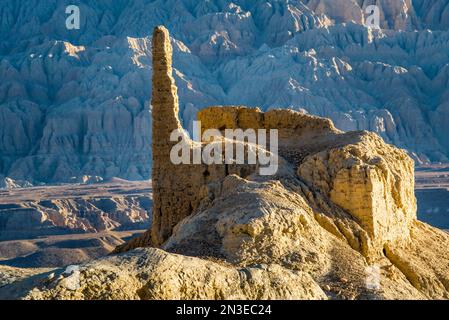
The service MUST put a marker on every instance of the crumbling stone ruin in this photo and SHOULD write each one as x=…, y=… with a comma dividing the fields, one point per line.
x=177, y=188
x=305, y=142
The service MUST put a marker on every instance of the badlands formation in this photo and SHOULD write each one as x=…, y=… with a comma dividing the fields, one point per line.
x=75, y=103
x=337, y=221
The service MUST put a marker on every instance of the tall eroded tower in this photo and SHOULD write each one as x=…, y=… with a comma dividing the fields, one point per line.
x=165, y=120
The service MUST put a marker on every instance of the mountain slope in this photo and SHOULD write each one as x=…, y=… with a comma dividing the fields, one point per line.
x=76, y=102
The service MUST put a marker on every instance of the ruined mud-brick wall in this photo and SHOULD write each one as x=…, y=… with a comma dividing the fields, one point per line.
x=299, y=134
x=175, y=187
x=179, y=189
x=357, y=171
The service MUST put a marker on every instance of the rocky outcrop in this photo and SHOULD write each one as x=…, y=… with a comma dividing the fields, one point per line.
x=147, y=271
x=337, y=220
x=335, y=195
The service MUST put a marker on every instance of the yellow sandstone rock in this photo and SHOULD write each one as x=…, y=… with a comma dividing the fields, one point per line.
x=152, y=274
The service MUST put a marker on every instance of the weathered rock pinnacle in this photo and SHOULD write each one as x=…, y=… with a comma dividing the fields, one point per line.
x=165, y=120
x=337, y=220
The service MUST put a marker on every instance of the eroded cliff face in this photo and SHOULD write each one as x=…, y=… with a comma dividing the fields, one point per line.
x=337, y=220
